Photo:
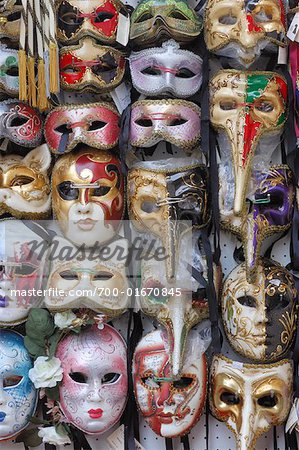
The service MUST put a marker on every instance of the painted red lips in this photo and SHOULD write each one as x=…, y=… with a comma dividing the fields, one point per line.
x=95, y=413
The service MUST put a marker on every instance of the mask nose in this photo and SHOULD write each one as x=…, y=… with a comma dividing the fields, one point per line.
x=164, y=393
x=248, y=32
x=95, y=395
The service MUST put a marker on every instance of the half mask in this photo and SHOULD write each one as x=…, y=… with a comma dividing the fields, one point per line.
x=88, y=195
x=166, y=70
x=170, y=406
x=93, y=391
x=156, y=20
x=90, y=67
x=268, y=212
x=250, y=398
x=9, y=70
x=18, y=396
x=260, y=318
x=244, y=107
x=10, y=15
x=94, y=124
x=175, y=121
x=96, y=18
x=242, y=29
x=20, y=123
x=24, y=184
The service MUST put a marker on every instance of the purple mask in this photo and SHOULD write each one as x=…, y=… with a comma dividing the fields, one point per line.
x=270, y=212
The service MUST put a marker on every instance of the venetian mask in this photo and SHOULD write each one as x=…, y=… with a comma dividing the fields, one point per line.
x=24, y=184
x=250, y=398
x=94, y=124
x=242, y=29
x=166, y=70
x=260, y=318
x=10, y=15
x=244, y=107
x=79, y=18
x=93, y=391
x=166, y=204
x=175, y=121
x=94, y=280
x=18, y=396
x=90, y=67
x=20, y=123
x=269, y=210
x=88, y=195
x=9, y=71
x=170, y=406
x=156, y=20
x=23, y=268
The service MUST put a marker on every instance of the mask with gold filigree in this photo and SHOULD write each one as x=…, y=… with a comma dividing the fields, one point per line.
x=246, y=107
x=260, y=319
x=243, y=28
x=268, y=211
x=250, y=398
x=10, y=19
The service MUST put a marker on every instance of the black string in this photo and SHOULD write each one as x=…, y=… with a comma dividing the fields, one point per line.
x=275, y=438
x=168, y=444
x=185, y=442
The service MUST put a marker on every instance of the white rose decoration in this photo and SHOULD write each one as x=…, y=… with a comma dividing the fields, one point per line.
x=51, y=436
x=46, y=372
x=64, y=319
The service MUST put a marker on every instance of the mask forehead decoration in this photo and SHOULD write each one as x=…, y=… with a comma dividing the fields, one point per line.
x=90, y=67
x=95, y=18
x=24, y=184
x=10, y=15
x=175, y=121
x=18, y=394
x=166, y=70
x=88, y=195
x=94, y=124
x=20, y=123
x=162, y=203
x=102, y=282
x=93, y=391
x=170, y=406
x=9, y=73
x=156, y=20
x=246, y=106
x=271, y=204
x=260, y=319
x=244, y=28
x=250, y=398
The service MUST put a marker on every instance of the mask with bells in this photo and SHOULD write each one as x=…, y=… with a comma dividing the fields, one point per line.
x=250, y=398
x=88, y=195
x=244, y=107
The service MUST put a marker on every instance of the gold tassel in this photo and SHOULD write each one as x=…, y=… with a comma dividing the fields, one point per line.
x=31, y=81
x=41, y=87
x=54, y=86
x=22, y=76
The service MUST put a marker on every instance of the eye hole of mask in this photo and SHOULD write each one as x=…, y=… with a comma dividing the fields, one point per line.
x=67, y=192
x=13, y=71
x=176, y=122
x=276, y=200
x=12, y=381
x=184, y=73
x=177, y=15
x=103, y=16
x=149, y=206
x=21, y=180
x=71, y=18
x=18, y=121
x=102, y=276
x=25, y=270
x=73, y=69
x=101, y=191
x=278, y=301
x=190, y=201
x=110, y=378
x=229, y=398
x=78, y=377
x=97, y=125
x=228, y=105
x=151, y=71
x=228, y=19
x=247, y=300
x=101, y=68
x=144, y=122
x=268, y=401
x=264, y=106
x=262, y=15
x=182, y=383
x=148, y=381
x=68, y=275
x=14, y=16
x=144, y=17
x=63, y=129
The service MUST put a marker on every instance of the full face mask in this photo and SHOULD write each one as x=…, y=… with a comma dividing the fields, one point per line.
x=18, y=396
x=9, y=72
x=244, y=107
x=24, y=184
x=88, y=195
x=250, y=398
x=20, y=123
x=96, y=18
x=90, y=67
x=168, y=203
x=93, y=391
x=88, y=280
x=94, y=124
x=242, y=29
x=171, y=407
x=166, y=70
x=175, y=121
x=156, y=20
x=268, y=212
x=10, y=15
x=23, y=268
